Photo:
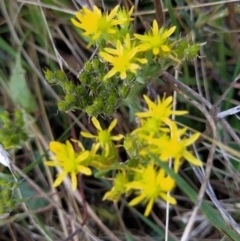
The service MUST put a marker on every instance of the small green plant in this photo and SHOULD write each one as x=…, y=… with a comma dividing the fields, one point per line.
x=13, y=132
x=7, y=189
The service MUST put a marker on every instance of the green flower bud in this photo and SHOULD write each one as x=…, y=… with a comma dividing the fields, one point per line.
x=88, y=67
x=109, y=110
x=4, y=120
x=6, y=196
x=82, y=101
x=85, y=78
x=18, y=115
x=98, y=104
x=60, y=76
x=69, y=87
x=71, y=99
x=181, y=47
x=96, y=64
x=90, y=110
x=113, y=81
x=94, y=87
x=63, y=105
x=50, y=77
x=99, y=77
x=112, y=99
x=192, y=51
x=80, y=91
x=89, y=98
x=124, y=91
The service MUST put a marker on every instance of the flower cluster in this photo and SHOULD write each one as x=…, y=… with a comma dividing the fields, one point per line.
x=124, y=60
x=121, y=68
x=13, y=131
x=156, y=135
x=7, y=196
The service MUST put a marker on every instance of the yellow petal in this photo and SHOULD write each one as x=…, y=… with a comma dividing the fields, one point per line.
x=168, y=184
x=148, y=101
x=76, y=23
x=74, y=181
x=112, y=72
x=82, y=156
x=85, y=170
x=79, y=16
x=112, y=125
x=141, y=37
x=70, y=150
x=52, y=163
x=191, y=139
x=165, y=48
x=59, y=179
x=79, y=144
x=95, y=36
x=57, y=147
x=149, y=207
x=134, y=185
x=123, y=75
x=113, y=12
x=155, y=27
x=177, y=163
x=96, y=123
x=137, y=200
x=179, y=112
x=192, y=159
x=156, y=51
x=150, y=175
x=117, y=137
x=87, y=134
x=109, y=50
x=142, y=61
x=169, y=32
x=108, y=195
x=168, y=198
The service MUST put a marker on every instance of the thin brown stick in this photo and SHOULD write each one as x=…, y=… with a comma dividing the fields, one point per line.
x=223, y=96
x=167, y=78
x=159, y=12
x=233, y=25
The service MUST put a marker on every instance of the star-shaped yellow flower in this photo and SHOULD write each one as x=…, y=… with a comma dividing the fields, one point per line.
x=95, y=24
x=104, y=138
x=70, y=162
x=156, y=39
x=122, y=58
x=118, y=188
x=161, y=110
x=150, y=185
x=175, y=147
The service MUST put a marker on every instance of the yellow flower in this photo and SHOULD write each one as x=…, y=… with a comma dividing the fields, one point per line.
x=150, y=185
x=156, y=40
x=150, y=126
x=118, y=188
x=123, y=14
x=160, y=110
x=95, y=24
x=70, y=161
x=123, y=58
x=175, y=147
x=104, y=138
